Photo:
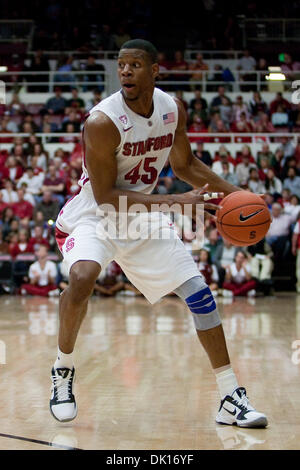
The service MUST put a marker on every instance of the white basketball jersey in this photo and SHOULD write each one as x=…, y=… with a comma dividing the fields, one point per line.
x=145, y=142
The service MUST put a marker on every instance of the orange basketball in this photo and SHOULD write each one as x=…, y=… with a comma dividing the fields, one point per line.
x=244, y=218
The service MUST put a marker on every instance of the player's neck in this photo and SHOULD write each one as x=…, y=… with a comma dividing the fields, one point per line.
x=143, y=106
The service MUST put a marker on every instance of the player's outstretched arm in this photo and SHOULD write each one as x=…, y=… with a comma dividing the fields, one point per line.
x=101, y=139
x=187, y=167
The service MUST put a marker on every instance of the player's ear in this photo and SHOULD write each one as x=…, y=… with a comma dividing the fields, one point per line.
x=155, y=70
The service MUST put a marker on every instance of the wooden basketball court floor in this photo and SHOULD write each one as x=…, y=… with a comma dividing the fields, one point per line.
x=143, y=380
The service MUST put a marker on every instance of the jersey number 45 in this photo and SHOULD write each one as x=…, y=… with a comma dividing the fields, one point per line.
x=147, y=175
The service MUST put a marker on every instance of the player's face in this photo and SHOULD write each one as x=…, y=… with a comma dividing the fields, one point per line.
x=136, y=73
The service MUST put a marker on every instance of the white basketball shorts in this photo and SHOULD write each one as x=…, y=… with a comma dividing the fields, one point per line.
x=156, y=265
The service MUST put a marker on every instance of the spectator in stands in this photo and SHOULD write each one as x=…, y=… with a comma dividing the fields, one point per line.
x=261, y=264
x=27, y=196
x=120, y=36
x=238, y=108
x=279, y=100
x=222, y=156
x=254, y=183
x=54, y=184
x=92, y=66
x=16, y=107
x=217, y=100
x=75, y=102
x=197, y=68
x=70, y=129
x=72, y=118
x=208, y=270
x=198, y=111
x=227, y=175
x=29, y=119
x=8, y=125
x=42, y=276
x=22, y=208
x=280, y=118
x=3, y=204
x=242, y=125
x=165, y=179
x=38, y=63
x=56, y=104
x=202, y=154
x=4, y=246
x=296, y=252
x=262, y=68
x=18, y=152
x=95, y=100
x=292, y=207
x=211, y=242
x=9, y=195
x=257, y=105
x=226, y=111
x=238, y=279
x=72, y=186
x=273, y=184
x=278, y=233
x=7, y=221
x=12, y=170
x=289, y=67
x=197, y=97
x=216, y=124
x=263, y=124
x=243, y=169
x=64, y=72
x=46, y=121
x=33, y=182
x=163, y=69
x=41, y=156
x=287, y=147
x=48, y=206
x=294, y=118
x=105, y=39
x=21, y=245
x=197, y=126
x=38, y=238
x=223, y=258
x=246, y=64
x=292, y=182
x=179, y=64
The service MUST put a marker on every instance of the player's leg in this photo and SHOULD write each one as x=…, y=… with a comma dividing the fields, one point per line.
x=84, y=255
x=235, y=407
x=74, y=301
x=72, y=310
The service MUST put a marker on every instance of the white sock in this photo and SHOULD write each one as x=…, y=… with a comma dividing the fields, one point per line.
x=226, y=380
x=63, y=360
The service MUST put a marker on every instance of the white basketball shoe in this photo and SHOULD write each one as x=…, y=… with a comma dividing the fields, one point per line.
x=236, y=409
x=62, y=403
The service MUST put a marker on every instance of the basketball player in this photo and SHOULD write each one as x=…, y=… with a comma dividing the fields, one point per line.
x=127, y=140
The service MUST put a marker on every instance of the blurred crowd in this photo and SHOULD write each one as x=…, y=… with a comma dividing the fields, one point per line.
x=35, y=184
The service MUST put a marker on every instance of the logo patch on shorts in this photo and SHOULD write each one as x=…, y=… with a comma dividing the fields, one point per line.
x=70, y=244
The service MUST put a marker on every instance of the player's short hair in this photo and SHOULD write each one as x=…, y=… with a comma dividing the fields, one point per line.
x=144, y=45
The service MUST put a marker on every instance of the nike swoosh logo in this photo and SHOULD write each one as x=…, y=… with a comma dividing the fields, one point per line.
x=128, y=128
x=244, y=218
x=230, y=412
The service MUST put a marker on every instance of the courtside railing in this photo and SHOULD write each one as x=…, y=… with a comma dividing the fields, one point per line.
x=170, y=80
x=230, y=137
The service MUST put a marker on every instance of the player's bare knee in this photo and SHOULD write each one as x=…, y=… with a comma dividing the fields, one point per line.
x=83, y=276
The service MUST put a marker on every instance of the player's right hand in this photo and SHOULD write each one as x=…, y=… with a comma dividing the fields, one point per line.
x=201, y=197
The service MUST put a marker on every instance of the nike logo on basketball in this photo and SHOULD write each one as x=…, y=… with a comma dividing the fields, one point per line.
x=244, y=218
